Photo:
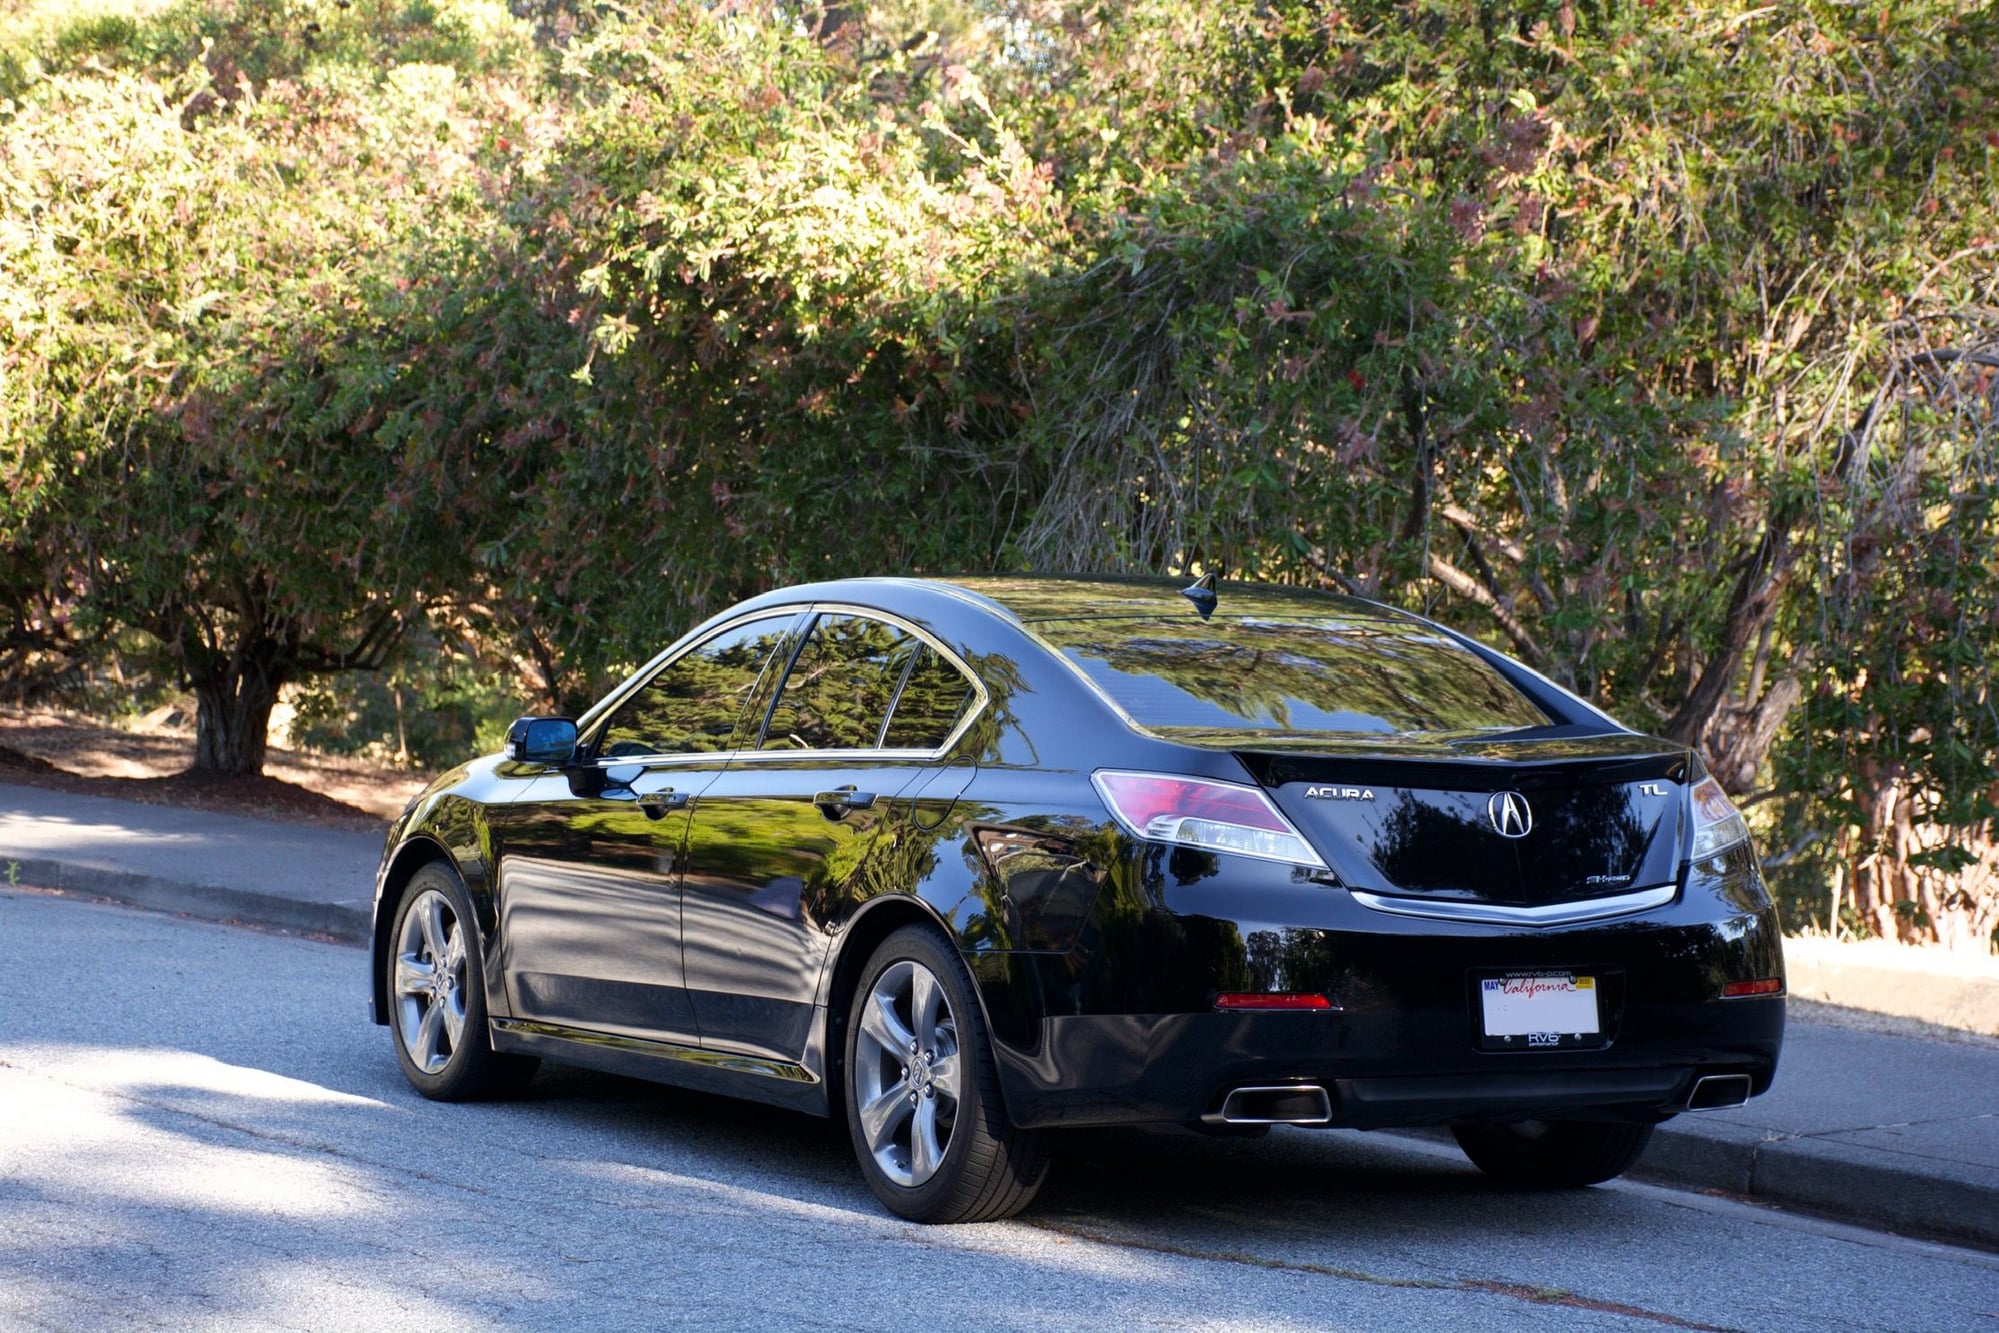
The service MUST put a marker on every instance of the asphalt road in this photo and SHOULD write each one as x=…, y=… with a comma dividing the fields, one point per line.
x=199, y=1128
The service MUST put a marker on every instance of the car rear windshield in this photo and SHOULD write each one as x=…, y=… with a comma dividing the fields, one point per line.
x=1292, y=675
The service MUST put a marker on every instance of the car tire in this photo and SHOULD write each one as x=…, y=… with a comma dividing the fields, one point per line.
x=437, y=996
x=1553, y=1154
x=923, y=1105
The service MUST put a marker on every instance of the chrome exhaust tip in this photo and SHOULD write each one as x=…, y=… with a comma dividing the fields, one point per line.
x=1718, y=1092
x=1279, y=1104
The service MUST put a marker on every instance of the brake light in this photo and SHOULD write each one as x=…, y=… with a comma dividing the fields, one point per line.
x=1200, y=812
x=1271, y=1000
x=1718, y=825
x=1763, y=986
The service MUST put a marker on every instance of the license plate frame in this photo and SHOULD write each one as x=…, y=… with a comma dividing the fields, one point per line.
x=1547, y=1009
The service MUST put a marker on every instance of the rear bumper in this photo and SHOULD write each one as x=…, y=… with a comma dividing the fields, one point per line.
x=1379, y=1071
x=1118, y=1043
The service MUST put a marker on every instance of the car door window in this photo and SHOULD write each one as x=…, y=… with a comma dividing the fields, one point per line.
x=692, y=704
x=838, y=692
x=934, y=697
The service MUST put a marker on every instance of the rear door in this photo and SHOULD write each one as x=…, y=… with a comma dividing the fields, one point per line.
x=780, y=836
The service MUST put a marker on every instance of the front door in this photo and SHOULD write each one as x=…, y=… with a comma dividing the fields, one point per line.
x=589, y=859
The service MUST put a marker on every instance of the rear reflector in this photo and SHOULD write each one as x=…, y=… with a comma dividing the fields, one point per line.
x=1201, y=812
x=1233, y=999
x=1766, y=986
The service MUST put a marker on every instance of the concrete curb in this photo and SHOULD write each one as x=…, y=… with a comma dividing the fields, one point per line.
x=1820, y=1174
x=208, y=902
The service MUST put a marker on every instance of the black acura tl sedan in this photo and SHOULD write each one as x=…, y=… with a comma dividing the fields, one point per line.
x=967, y=863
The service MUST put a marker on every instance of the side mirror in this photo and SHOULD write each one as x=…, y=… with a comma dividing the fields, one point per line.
x=542, y=740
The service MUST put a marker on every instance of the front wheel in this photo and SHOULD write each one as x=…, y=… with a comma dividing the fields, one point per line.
x=437, y=998
x=922, y=1094
x=1553, y=1154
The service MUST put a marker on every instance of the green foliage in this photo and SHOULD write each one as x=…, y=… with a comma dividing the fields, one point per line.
x=188, y=289
x=244, y=44
x=1652, y=341
x=434, y=704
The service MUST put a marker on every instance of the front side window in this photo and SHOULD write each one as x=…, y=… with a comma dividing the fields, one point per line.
x=693, y=703
x=839, y=690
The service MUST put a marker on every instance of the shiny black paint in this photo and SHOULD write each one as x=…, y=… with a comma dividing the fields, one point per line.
x=708, y=944
x=1610, y=819
x=1119, y=1039
x=589, y=902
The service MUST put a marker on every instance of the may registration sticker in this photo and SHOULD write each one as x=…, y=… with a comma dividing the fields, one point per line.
x=1539, y=1011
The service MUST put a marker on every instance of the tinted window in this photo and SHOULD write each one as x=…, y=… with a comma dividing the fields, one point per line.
x=692, y=704
x=1337, y=674
x=933, y=698
x=838, y=692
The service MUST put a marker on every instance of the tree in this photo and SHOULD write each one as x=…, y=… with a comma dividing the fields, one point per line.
x=195, y=309
x=1650, y=341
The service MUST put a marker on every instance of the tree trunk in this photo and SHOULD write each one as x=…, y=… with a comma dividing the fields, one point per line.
x=233, y=709
x=1900, y=895
x=1751, y=607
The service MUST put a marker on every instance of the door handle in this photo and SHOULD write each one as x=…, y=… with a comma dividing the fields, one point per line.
x=657, y=803
x=839, y=804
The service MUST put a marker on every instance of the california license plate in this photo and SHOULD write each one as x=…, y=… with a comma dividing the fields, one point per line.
x=1539, y=1011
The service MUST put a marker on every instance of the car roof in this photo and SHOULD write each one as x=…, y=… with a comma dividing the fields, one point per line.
x=1034, y=598
x=1031, y=598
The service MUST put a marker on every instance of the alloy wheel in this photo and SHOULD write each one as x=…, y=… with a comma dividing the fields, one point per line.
x=908, y=1076
x=430, y=981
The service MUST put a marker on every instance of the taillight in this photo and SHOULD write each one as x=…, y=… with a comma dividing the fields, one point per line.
x=1735, y=990
x=1282, y=999
x=1718, y=825
x=1200, y=812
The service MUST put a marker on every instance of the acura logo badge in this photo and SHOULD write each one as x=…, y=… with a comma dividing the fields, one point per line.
x=1510, y=815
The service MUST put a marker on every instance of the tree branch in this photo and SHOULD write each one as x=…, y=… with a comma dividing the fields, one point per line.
x=1753, y=602
x=1516, y=554
x=1419, y=433
x=1467, y=587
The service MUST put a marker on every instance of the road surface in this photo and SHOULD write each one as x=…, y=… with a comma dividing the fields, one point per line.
x=200, y=1129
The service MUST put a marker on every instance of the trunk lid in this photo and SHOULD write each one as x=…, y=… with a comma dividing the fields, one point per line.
x=1523, y=822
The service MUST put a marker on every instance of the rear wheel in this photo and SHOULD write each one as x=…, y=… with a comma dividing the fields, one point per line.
x=922, y=1094
x=1553, y=1154
x=437, y=996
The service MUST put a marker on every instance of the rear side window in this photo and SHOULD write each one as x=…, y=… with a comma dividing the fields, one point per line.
x=839, y=690
x=1307, y=675
x=692, y=704
x=934, y=696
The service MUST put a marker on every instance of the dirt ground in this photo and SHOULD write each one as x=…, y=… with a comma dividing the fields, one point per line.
x=149, y=762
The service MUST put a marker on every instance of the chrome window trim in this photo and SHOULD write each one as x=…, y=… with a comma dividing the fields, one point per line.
x=759, y=756
x=1089, y=683
x=806, y=612
x=594, y=716
x=981, y=696
x=1499, y=914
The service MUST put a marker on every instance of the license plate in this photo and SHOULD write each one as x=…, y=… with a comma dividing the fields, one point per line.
x=1539, y=1011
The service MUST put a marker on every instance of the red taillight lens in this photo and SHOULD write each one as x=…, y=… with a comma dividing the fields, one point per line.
x=1763, y=986
x=1230, y=999
x=1201, y=812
